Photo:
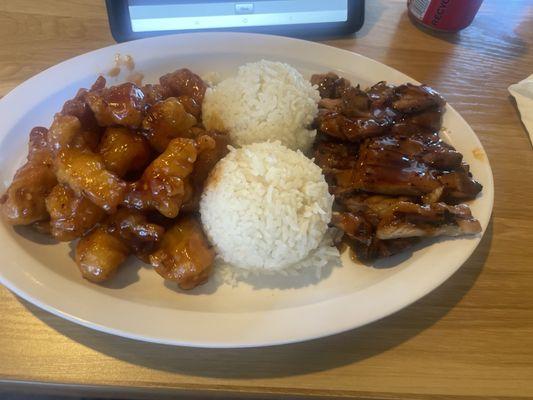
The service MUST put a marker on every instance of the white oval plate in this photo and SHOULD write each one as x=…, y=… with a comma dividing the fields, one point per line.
x=137, y=303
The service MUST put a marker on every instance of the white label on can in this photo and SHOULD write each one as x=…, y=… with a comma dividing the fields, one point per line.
x=419, y=8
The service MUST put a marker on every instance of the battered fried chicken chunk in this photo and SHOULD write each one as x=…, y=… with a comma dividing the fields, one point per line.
x=164, y=185
x=154, y=93
x=115, y=169
x=215, y=147
x=24, y=201
x=79, y=107
x=38, y=149
x=184, y=255
x=183, y=82
x=65, y=131
x=167, y=120
x=118, y=105
x=85, y=173
x=99, y=254
x=71, y=214
x=124, y=151
x=137, y=231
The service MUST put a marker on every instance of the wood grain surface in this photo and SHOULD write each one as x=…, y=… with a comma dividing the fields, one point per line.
x=472, y=337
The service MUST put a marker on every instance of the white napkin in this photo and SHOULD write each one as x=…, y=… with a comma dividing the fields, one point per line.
x=523, y=93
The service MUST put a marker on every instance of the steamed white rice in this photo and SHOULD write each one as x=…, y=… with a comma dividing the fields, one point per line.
x=267, y=208
x=265, y=101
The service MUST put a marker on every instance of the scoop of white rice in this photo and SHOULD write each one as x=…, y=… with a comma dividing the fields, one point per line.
x=267, y=208
x=265, y=101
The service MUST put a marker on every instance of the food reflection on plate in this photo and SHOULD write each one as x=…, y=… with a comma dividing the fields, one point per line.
x=264, y=171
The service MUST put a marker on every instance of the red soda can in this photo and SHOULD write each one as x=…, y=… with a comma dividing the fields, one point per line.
x=444, y=15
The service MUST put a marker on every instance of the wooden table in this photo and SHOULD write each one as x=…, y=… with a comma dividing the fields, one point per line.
x=471, y=337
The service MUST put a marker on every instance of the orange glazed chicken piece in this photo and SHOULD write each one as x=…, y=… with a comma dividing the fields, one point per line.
x=133, y=227
x=184, y=255
x=24, y=201
x=164, y=185
x=99, y=254
x=123, y=151
x=71, y=215
x=84, y=171
x=205, y=162
x=118, y=105
x=165, y=121
x=183, y=82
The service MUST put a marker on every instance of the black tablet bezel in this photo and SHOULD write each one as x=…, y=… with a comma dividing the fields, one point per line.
x=119, y=22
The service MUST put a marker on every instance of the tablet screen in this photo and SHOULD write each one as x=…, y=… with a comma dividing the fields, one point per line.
x=151, y=16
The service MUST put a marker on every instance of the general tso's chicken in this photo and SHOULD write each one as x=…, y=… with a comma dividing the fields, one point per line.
x=99, y=254
x=38, y=150
x=64, y=132
x=85, y=172
x=24, y=201
x=118, y=105
x=167, y=120
x=124, y=151
x=76, y=182
x=164, y=185
x=210, y=151
x=134, y=228
x=154, y=93
x=42, y=227
x=406, y=219
x=191, y=105
x=213, y=145
x=71, y=215
x=183, y=82
x=184, y=255
x=79, y=108
x=67, y=130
